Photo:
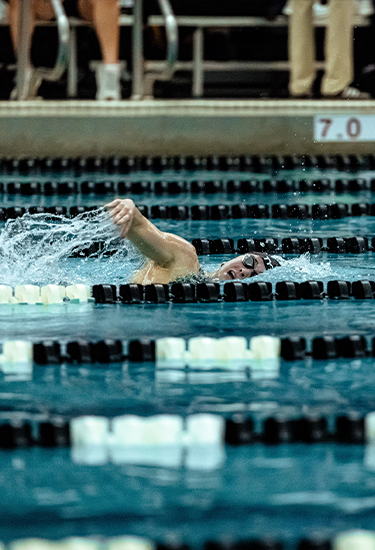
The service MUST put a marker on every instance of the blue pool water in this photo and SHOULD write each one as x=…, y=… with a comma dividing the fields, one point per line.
x=301, y=387
x=129, y=322
x=284, y=491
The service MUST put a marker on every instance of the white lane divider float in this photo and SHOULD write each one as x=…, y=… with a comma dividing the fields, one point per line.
x=171, y=351
x=204, y=438
x=129, y=543
x=27, y=294
x=90, y=439
x=46, y=295
x=202, y=351
x=370, y=428
x=350, y=540
x=33, y=544
x=232, y=348
x=204, y=429
x=77, y=543
x=355, y=540
x=79, y=293
x=153, y=440
x=230, y=353
x=265, y=357
x=264, y=348
x=52, y=294
x=369, y=458
x=17, y=357
x=90, y=430
x=6, y=295
x=157, y=440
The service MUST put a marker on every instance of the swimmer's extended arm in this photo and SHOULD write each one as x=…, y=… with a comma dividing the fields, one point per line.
x=163, y=248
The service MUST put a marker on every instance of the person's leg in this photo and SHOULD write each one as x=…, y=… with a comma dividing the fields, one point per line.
x=105, y=15
x=339, y=47
x=14, y=16
x=41, y=9
x=301, y=48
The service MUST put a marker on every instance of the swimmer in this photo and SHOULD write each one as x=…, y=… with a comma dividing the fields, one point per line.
x=171, y=258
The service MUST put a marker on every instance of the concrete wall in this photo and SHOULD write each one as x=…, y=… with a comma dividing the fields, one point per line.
x=201, y=127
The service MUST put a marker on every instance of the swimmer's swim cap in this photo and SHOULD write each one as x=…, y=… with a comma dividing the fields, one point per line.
x=269, y=261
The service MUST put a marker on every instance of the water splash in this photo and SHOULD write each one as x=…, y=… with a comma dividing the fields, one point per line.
x=312, y=268
x=37, y=249
x=302, y=268
x=318, y=268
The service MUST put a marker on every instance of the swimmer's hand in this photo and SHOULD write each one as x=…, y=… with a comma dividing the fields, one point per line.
x=122, y=212
x=168, y=251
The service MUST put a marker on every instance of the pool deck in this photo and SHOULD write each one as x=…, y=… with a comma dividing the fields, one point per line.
x=160, y=127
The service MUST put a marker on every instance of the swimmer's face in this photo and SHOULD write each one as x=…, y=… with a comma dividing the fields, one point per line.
x=235, y=269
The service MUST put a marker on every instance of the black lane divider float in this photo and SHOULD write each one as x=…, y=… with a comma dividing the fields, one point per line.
x=204, y=185
x=216, y=212
x=239, y=431
x=243, y=163
x=261, y=291
x=294, y=348
x=52, y=432
x=289, y=245
x=348, y=429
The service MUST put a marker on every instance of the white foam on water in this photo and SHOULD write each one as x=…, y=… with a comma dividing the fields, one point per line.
x=314, y=268
x=35, y=250
x=299, y=269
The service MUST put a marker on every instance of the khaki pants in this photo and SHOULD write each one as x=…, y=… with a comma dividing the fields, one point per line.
x=338, y=47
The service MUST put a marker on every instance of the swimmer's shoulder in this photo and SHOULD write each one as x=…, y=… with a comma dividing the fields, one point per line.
x=184, y=263
x=187, y=254
x=183, y=254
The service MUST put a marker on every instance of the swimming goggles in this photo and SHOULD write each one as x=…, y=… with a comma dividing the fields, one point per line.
x=249, y=262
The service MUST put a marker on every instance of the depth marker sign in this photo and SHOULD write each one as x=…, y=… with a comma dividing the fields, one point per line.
x=344, y=128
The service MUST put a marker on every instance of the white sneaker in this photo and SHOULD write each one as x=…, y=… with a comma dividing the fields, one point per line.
x=3, y=13
x=33, y=81
x=288, y=8
x=350, y=93
x=320, y=11
x=108, y=82
x=365, y=8
x=362, y=7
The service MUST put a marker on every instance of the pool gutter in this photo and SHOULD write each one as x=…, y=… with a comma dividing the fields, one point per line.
x=159, y=127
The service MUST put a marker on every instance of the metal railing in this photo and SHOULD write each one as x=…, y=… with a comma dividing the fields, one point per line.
x=143, y=82
x=24, y=41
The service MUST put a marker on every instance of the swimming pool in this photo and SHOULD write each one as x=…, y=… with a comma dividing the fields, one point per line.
x=282, y=492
